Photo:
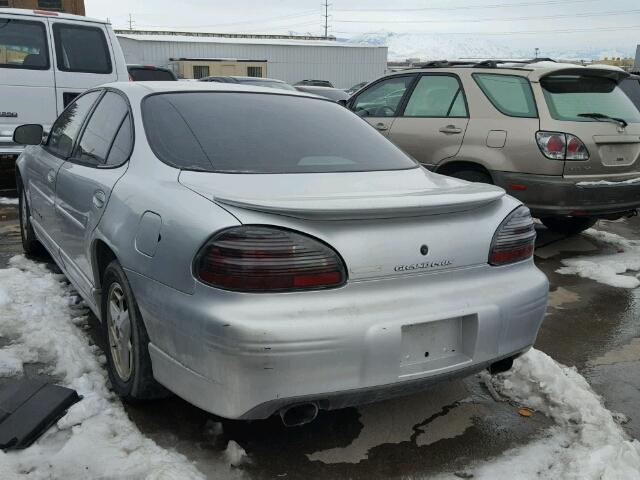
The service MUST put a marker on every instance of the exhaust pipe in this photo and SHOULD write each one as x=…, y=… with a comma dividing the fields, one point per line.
x=300, y=414
x=501, y=366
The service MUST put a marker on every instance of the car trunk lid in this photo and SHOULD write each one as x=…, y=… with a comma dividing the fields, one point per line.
x=614, y=146
x=378, y=222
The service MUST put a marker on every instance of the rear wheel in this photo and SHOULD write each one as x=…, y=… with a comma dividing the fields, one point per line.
x=30, y=243
x=472, y=176
x=127, y=348
x=568, y=225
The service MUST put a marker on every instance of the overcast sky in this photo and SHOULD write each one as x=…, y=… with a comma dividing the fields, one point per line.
x=572, y=23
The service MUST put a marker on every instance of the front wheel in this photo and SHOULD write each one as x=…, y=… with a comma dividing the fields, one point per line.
x=127, y=348
x=568, y=225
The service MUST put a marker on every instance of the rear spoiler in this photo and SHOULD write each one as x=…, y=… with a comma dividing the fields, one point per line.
x=603, y=71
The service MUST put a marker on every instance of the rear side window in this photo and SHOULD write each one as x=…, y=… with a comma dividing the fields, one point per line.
x=510, y=94
x=436, y=96
x=99, y=134
x=573, y=97
x=65, y=129
x=81, y=49
x=383, y=98
x=151, y=75
x=264, y=133
x=23, y=45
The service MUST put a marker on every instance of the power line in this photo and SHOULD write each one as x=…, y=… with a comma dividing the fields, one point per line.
x=577, y=30
x=481, y=20
x=470, y=7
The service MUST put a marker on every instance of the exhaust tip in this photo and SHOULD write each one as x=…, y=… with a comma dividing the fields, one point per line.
x=298, y=415
x=501, y=366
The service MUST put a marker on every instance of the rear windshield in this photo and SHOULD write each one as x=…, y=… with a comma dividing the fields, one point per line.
x=150, y=75
x=263, y=133
x=569, y=96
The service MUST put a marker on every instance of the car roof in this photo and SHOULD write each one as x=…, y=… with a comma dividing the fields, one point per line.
x=240, y=78
x=146, y=88
x=534, y=69
x=49, y=14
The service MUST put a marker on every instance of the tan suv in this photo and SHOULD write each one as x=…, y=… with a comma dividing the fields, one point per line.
x=562, y=138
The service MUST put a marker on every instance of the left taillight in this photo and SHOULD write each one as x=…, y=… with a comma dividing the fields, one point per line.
x=268, y=259
x=515, y=238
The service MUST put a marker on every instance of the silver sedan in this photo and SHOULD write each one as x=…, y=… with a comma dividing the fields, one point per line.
x=259, y=252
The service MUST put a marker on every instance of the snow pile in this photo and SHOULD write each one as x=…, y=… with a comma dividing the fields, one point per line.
x=95, y=439
x=608, y=268
x=631, y=181
x=8, y=201
x=586, y=444
x=236, y=455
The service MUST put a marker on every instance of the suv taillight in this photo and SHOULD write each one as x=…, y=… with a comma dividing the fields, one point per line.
x=268, y=259
x=515, y=238
x=561, y=146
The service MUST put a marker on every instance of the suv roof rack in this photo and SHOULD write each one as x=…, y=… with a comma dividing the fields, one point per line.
x=481, y=64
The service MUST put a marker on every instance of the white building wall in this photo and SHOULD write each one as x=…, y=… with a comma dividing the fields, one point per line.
x=343, y=66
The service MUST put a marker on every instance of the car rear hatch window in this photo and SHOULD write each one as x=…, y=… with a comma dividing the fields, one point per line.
x=246, y=132
x=574, y=97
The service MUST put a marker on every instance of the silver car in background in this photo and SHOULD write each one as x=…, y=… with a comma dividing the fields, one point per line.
x=257, y=251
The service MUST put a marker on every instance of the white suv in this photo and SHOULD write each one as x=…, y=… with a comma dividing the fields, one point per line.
x=46, y=60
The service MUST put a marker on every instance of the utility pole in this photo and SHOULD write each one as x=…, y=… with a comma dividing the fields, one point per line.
x=326, y=6
x=130, y=22
x=537, y=52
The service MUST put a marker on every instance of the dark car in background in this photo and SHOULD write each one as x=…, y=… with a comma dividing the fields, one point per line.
x=334, y=94
x=313, y=83
x=256, y=81
x=150, y=73
x=631, y=86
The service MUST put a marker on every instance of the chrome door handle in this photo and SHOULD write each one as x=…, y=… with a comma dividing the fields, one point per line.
x=381, y=126
x=98, y=199
x=450, y=129
x=51, y=176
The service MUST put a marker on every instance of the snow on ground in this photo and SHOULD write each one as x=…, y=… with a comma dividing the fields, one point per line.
x=95, y=439
x=8, y=201
x=586, y=443
x=608, y=268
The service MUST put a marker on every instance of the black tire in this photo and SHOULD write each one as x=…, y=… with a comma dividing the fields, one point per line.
x=139, y=384
x=30, y=243
x=472, y=176
x=568, y=225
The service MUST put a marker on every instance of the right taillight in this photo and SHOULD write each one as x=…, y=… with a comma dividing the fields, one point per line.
x=268, y=259
x=561, y=146
x=515, y=238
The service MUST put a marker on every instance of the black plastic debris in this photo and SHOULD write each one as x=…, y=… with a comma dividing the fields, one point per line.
x=28, y=408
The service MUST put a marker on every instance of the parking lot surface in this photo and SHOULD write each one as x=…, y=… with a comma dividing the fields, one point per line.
x=590, y=325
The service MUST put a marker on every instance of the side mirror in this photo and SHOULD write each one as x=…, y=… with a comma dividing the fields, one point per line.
x=28, y=134
x=343, y=103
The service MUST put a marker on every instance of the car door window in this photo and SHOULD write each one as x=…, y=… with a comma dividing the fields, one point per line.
x=510, y=94
x=101, y=130
x=438, y=96
x=23, y=45
x=81, y=49
x=382, y=99
x=66, y=128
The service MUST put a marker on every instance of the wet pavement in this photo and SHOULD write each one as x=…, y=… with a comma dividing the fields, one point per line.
x=591, y=326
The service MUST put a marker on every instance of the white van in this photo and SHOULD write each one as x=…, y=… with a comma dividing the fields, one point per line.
x=46, y=60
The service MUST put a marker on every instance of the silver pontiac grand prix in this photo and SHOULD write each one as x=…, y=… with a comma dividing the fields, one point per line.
x=260, y=252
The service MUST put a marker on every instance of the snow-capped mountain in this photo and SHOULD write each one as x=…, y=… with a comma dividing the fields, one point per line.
x=425, y=46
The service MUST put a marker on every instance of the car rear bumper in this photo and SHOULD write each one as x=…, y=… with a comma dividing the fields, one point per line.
x=249, y=355
x=549, y=195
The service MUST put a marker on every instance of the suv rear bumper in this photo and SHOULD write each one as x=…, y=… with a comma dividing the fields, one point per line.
x=548, y=195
